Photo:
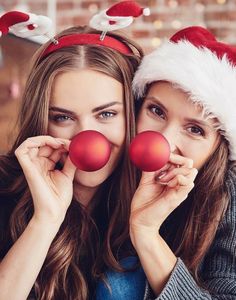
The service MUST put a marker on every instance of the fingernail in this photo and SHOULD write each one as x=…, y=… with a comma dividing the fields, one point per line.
x=163, y=183
x=161, y=175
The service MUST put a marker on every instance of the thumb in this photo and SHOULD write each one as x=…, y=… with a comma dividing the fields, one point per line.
x=69, y=168
x=147, y=177
x=150, y=183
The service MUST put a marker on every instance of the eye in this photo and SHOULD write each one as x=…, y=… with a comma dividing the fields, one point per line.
x=196, y=130
x=59, y=118
x=106, y=115
x=156, y=110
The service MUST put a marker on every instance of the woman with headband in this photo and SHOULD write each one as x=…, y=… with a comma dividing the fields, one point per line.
x=183, y=217
x=61, y=227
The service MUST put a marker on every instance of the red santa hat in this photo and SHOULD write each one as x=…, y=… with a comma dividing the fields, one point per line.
x=118, y=16
x=201, y=66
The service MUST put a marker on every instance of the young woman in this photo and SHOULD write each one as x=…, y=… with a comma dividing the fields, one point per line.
x=60, y=227
x=183, y=217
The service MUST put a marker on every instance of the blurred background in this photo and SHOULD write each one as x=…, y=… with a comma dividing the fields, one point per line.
x=167, y=16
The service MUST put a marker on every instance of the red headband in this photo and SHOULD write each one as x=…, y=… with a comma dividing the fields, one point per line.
x=87, y=39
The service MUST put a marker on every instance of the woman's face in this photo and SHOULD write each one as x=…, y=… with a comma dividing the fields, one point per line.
x=168, y=110
x=89, y=100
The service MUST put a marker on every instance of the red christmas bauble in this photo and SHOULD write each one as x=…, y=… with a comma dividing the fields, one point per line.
x=89, y=150
x=149, y=151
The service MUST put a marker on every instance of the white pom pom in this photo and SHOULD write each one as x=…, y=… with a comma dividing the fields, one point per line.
x=146, y=11
x=0, y=33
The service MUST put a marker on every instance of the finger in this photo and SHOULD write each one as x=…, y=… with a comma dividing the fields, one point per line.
x=45, y=140
x=149, y=185
x=27, y=152
x=193, y=174
x=36, y=142
x=69, y=168
x=51, y=153
x=54, y=158
x=51, y=156
x=181, y=160
x=179, y=180
x=147, y=178
x=23, y=151
x=33, y=153
x=166, y=167
x=168, y=175
x=65, y=143
x=25, y=146
x=182, y=181
x=45, y=151
x=57, y=155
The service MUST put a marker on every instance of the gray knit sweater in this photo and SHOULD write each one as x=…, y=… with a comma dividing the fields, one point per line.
x=218, y=270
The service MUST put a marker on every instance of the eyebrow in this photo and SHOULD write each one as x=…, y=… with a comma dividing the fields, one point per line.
x=96, y=109
x=106, y=106
x=190, y=120
x=199, y=122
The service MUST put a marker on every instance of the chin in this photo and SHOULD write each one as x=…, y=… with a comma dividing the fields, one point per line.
x=91, y=179
x=96, y=178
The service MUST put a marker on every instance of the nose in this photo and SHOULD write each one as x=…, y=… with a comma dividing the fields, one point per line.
x=172, y=136
x=85, y=124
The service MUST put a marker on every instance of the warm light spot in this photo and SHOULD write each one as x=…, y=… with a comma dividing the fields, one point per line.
x=221, y=1
x=173, y=4
x=199, y=7
x=93, y=8
x=156, y=42
x=176, y=24
x=158, y=24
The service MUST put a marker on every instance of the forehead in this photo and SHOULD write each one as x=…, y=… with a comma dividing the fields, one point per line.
x=85, y=87
x=178, y=101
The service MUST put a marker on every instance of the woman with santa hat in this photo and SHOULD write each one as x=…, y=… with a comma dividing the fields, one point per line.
x=183, y=216
x=62, y=225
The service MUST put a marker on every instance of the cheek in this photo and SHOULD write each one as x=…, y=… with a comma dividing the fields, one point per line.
x=117, y=138
x=199, y=153
x=116, y=133
x=199, y=161
x=144, y=122
x=60, y=132
x=52, y=130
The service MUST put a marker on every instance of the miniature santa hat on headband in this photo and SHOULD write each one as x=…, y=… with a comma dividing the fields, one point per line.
x=24, y=24
x=201, y=66
x=118, y=16
x=28, y=25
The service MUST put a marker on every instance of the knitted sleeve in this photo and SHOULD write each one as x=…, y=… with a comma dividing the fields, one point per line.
x=218, y=271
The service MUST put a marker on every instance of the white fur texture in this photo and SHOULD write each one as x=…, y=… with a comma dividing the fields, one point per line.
x=208, y=80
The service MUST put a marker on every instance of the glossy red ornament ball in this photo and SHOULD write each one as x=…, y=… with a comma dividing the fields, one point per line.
x=149, y=151
x=89, y=150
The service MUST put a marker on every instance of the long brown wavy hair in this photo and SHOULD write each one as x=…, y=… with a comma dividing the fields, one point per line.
x=191, y=228
x=86, y=243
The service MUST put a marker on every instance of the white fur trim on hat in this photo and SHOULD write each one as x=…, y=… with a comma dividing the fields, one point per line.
x=208, y=80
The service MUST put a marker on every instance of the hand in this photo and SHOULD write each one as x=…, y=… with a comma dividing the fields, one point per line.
x=159, y=193
x=51, y=189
